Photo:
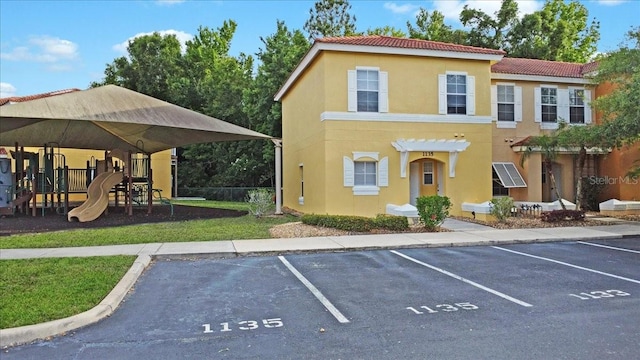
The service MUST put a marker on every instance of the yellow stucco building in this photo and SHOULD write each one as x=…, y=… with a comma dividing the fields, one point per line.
x=371, y=123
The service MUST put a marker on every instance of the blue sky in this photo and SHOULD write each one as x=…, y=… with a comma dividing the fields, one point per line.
x=52, y=45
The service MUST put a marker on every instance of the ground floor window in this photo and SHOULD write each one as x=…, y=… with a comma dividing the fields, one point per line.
x=498, y=188
x=365, y=173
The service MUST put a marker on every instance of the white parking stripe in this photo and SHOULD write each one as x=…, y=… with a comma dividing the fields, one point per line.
x=567, y=264
x=608, y=247
x=504, y=296
x=327, y=304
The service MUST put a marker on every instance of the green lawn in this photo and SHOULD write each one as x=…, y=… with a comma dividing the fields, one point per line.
x=245, y=227
x=40, y=290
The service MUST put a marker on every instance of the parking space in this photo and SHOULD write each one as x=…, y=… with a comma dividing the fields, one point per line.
x=552, y=300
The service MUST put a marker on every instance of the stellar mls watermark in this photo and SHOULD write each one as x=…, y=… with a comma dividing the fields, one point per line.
x=608, y=180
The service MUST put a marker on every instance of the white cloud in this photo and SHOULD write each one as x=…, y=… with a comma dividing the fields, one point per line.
x=182, y=36
x=169, y=2
x=400, y=9
x=611, y=2
x=45, y=49
x=451, y=9
x=7, y=90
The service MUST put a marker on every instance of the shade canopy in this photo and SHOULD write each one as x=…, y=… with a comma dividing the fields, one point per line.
x=112, y=117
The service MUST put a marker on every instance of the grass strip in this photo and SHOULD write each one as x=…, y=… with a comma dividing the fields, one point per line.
x=39, y=290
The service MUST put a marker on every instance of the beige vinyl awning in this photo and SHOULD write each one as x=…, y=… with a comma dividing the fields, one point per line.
x=112, y=117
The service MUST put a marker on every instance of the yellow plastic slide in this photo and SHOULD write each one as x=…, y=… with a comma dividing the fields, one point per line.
x=97, y=197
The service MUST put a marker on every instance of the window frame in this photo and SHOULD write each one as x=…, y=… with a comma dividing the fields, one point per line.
x=548, y=105
x=574, y=97
x=426, y=172
x=457, y=94
x=511, y=103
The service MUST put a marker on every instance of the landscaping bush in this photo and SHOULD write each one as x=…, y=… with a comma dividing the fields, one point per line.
x=391, y=222
x=357, y=223
x=501, y=208
x=433, y=210
x=260, y=201
x=562, y=215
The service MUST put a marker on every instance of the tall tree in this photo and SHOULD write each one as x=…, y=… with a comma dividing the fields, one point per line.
x=152, y=65
x=387, y=30
x=621, y=107
x=282, y=52
x=559, y=32
x=432, y=27
x=330, y=18
x=487, y=31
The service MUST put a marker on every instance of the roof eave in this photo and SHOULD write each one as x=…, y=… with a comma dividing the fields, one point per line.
x=319, y=46
x=540, y=78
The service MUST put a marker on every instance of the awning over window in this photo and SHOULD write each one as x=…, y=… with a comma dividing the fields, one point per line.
x=508, y=174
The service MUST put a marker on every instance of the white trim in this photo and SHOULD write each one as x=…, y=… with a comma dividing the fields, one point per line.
x=539, y=78
x=318, y=47
x=442, y=94
x=360, y=154
x=537, y=104
x=549, y=125
x=563, y=105
x=397, y=117
x=563, y=150
x=430, y=145
x=370, y=68
x=348, y=172
x=365, y=190
x=517, y=109
x=383, y=172
x=383, y=92
x=471, y=95
x=352, y=90
x=506, y=124
x=494, y=102
x=588, y=115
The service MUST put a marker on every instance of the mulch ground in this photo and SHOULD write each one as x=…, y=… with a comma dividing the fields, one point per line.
x=51, y=221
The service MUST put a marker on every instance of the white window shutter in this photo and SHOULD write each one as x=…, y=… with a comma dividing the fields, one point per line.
x=442, y=94
x=494, y=102
x=383, y=92
x=517, y=93
x=537, y=105
x=587, y=106
x=383, y=172
x=563, y=105
x=352, y=89
x=348, y=171
x=471, y=95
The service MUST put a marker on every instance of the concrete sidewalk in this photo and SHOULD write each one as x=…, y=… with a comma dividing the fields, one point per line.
x=462, y=234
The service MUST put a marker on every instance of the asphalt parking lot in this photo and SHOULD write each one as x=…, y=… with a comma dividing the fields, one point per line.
x=569, y=300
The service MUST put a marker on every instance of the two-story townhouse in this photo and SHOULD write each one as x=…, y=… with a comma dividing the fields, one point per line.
x=374, y=121
x=530, y=98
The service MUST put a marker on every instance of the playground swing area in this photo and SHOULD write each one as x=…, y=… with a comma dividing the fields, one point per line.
x=40, y=183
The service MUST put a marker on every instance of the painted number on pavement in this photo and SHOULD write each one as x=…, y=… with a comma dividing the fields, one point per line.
x=591, y=295
x=245, y=325
x=442, y=308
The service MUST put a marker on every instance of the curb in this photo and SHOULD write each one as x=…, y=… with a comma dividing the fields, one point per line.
x=25, y=334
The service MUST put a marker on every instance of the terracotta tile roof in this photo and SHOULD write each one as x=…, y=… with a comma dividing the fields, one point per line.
x=15, y=99
x=542, y=67
x=394, y=42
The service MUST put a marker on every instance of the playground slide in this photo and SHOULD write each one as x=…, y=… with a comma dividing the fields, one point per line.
x=98, y=197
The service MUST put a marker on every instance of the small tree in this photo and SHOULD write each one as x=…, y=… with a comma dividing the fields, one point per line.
x=501, y=208
x=433, y=210
x=260, y=201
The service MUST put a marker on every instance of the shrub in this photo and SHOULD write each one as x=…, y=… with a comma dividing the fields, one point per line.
x=591, y=191
x=501, y=208
x=433, y=210
x=562, y=215
x=260, y=201
x=357, y=223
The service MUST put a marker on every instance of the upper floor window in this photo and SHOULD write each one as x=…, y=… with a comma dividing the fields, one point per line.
x=576, y=106
x=456, y=94
x=367, y=90
x=549, y=103
x=506, y=103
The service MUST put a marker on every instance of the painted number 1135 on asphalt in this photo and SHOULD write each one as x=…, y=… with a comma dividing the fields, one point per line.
x=245, y=325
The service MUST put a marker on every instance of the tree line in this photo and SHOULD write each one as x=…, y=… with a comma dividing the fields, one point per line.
x=204, y=77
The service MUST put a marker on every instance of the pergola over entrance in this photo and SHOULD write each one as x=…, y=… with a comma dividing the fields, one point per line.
x=111, y=117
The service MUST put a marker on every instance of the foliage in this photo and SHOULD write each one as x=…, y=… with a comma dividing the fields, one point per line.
x=432, y=27
x=621, y=107
x=562, y=215
x=501, y=208
x=590, y=194
x=260, y=201
x=559, y=32
x=387, y=31
x=433, y=210
x=357, y=223
x=486, y=31
x=330, y=18
x=40, y=290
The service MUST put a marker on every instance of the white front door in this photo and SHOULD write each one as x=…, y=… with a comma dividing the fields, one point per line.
x=414, y=182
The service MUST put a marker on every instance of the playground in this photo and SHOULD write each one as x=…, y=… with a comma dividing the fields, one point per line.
x=20, y=223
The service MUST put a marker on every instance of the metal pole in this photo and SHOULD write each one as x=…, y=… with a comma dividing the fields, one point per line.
x=278, y=155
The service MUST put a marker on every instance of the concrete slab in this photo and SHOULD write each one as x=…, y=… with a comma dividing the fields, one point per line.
x=575, y=233
x=96, y=251
x=444, y=238
x=6, y=254
x=376, y=241
x=513, y=235
x=187, y=248
x=290, y=244
x=626, y=229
